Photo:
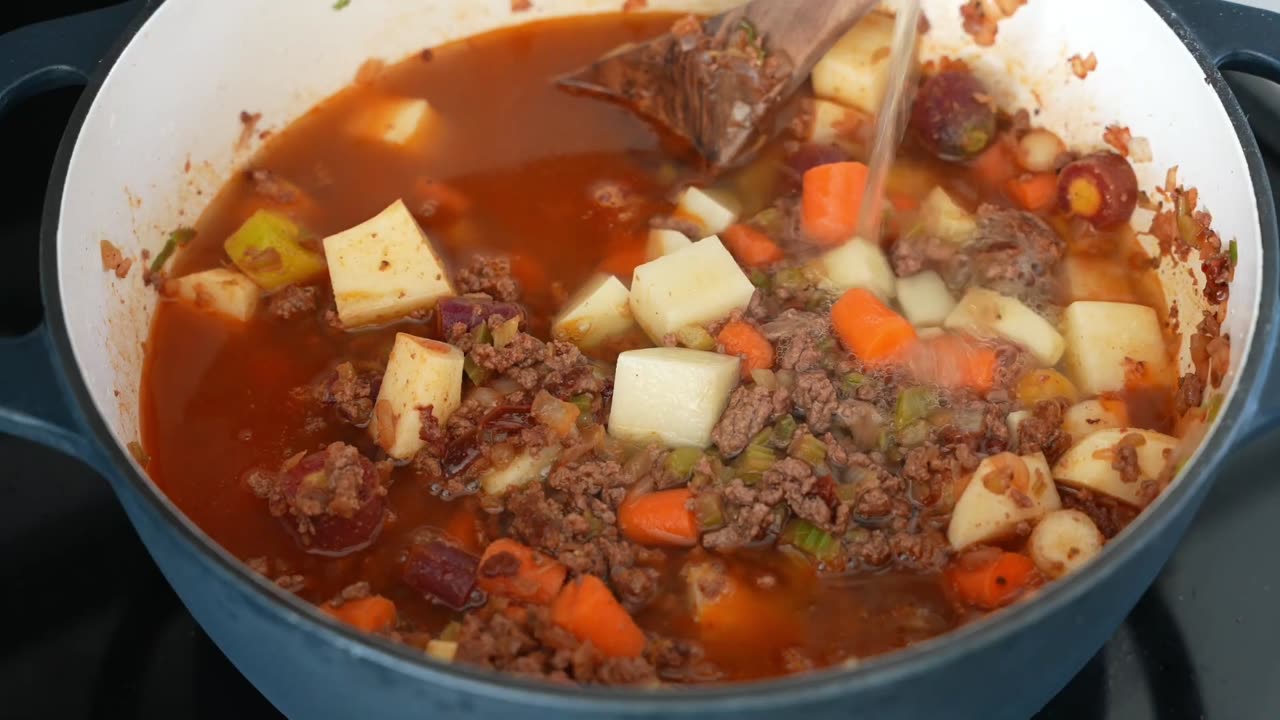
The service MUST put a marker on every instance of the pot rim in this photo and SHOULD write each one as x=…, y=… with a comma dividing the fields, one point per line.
x=889, y=668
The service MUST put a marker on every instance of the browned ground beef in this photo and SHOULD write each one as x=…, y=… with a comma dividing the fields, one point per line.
x=293, y=301
x=489, y=275
x=1042, y=431
x=750, y=409
x=335, y=483
x=1190, y=392
x=350, y=391
x=1111, y=516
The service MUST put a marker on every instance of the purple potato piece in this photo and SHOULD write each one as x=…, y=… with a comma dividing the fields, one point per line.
x=473, y=311
x=953, y=116
x=441, y=571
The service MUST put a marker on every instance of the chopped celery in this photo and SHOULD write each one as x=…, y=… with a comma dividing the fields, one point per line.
x=682, y=461
x=771, y=221
x=790, y=279
x=268, y=248
x=914, y=434
x=783, y=431
x=177, y=239
x=584, y=402
x=811, y=450
x=914, y=404
x=716, y=473
x=1214, y=406
x=1233, y=252
x=595, y=524
x=481, y=335
x=811, y=540
x=752, y=464
x=506, y=332
x=759, y=278
x=708, y=510
x=475, y=373
x=696, y=338
x=762, y=437
x=853, y=380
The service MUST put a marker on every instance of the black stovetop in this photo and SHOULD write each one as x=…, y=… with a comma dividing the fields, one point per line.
x=90, y=629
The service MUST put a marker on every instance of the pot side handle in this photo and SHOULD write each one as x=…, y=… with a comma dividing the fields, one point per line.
x=1237, y=37
x=34, y=59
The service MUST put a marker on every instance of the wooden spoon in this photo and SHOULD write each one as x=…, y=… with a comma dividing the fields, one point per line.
x=716, y=83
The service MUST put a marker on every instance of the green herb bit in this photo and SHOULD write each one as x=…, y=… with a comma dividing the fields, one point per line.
x=177, y=239
x=1233, y=252
x=340, y=4
x=811, y=540
x=584, y=402
x=682, y=461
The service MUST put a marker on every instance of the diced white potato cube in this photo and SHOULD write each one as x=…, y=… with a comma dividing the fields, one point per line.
x=420, y=374
x=384, y=269
x=221, y=291
x=942, y=218
x=859, y=264
x=986, y=313
x=694, y=286
x=1089, y=416
x=444, y=650
x=1104, y=339
x=713, y=212
x=1014, y=421
x=674, y=395
x=393, y=120
x=665, y=242
x=1004, y=491
x=855, y=70
x=598, y=312
x=1091, y=278
x=1063, y=541
x=1088, y=463
x=925, y=299
x=833, y=123
x=527, y=467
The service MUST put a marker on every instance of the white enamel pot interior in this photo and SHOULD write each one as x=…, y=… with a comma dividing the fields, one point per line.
x=160, y=138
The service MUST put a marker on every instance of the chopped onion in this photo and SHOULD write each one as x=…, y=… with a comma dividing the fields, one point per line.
x=559, y=416
x=1039, y=150
x=765, y=378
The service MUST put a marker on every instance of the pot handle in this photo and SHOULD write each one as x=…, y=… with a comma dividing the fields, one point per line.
x=1237, y=37
x=34, y=59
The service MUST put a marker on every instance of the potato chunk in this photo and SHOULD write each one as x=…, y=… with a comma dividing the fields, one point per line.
x=1089, y=416
x=859, y=264
x=1095, y=278
x=396, y=121
x=925, y=299
x=1063, y=541
x=855, y=70
x=384, y=269
x=986, y=313
x=834, y=124
x=694, y=286
x=598, y=312
x=713, y=214
x=941, y=217
x=665, y=242
x=420, y=373
x=1004, y=491
x=221, y=291
x=523, y=469
x=673, y=395
x=1105, y=339
x=1089, y=463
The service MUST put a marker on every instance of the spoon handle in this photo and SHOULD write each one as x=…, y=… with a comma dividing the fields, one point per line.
x=891, y=121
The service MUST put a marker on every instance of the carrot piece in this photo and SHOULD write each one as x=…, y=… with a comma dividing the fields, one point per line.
x=660, y=518
x=903, y=202
x=439, y=203
x=537, y=578
x=870, y=329
x=752, y=247
x=993, y=583
x=741, y=339
x=1033, y=191
x=371, y=614
x=831, y=199
x=954, y=361
x=994, y=166
x=586, y=608
x=622, y=254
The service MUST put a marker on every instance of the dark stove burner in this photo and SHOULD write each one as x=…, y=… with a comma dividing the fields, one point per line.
x=90, y=629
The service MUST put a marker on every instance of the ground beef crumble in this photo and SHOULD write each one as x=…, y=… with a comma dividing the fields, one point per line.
x=293, y=301
x=490, y=275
